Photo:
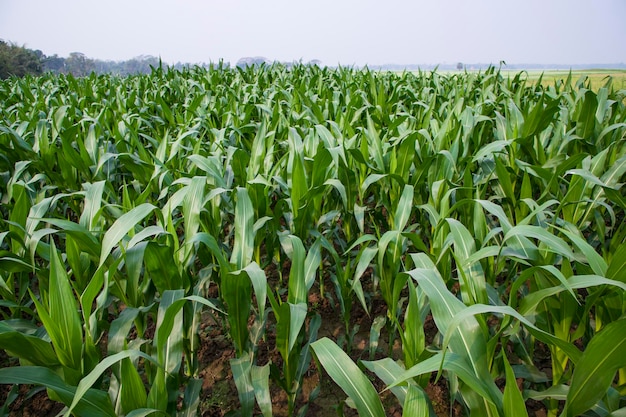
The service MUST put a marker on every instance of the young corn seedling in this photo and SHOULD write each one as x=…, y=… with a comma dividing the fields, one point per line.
x=293, y=336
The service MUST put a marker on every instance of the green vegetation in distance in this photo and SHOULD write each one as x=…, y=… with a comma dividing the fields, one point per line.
x=477, y=218
x=596, y=77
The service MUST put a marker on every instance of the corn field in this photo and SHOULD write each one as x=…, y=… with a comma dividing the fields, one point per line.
x=136, y=210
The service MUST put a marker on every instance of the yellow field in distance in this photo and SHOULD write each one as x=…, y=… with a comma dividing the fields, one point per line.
x=596, y=77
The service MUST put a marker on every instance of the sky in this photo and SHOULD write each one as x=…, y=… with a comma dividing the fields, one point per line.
x=345, y=32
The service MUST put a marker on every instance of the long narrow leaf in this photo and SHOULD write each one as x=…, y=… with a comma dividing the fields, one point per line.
x=349, y=377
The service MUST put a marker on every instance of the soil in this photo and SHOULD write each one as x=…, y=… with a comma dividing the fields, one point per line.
x=32, y=401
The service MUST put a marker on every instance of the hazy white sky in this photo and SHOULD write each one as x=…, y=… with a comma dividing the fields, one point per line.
x=343, y=32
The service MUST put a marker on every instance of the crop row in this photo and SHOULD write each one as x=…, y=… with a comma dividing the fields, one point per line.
x=488, y=204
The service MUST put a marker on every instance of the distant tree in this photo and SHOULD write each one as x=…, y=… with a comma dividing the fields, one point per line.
x=18, y=60
x=79, y=65
x=53, y=63
x=104, y=67
x=140, y=64
x=250, y=61
x=459, y=66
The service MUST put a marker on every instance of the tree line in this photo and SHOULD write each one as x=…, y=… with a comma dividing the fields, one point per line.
x=19, y=61
x=16, y=60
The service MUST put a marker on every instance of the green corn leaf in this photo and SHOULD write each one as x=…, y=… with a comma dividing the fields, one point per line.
x=416, y=403
x=297, y=315
x=259, y=284
x=121, y=227
x=312, y=263
x=359, y=215
x=25, y=346
x=371, y=179
x=403, y=209
x=304, y=361
x=377, y=325
x=259, y=224
x=86, y=239
x=365, y=257
x=405, y=155
x=617, y=266
x=93, y=204
x=78, y=261
x=158, y=395
x=375, y=144
x=299, y=185
x=87, y=382
x=362, y=239
x=394, y=239
x=585, y=117
x=341, y=189
x=211, y=167
x=450, y=362
x=290, y=319
x=241, y=368
x=213, y=247
x=120, y=327
x=236, y=291
x=565, y=284
x=191, y=399
x=132, y=391
x=59, y=118
x=134, y=263
x=297, y=279
x=160, y=266
x=388, y=370
x=467, y=340
x=169, y=335
x=552, y=242
x=165, y=109
x=530, y=302
x=597, y=264
x=414, y=340
x=596, y=369
x=192, y=205
x=459, y=321
x=557, y=392
x=92, y=402
x=144, y=412
x=472, y=274
x=259, y=376
x=243, y=248
x=540, y=116
x=587, y=175
x=349, y=377
x=12, y=263
x=514, y=405
x=491, y=148
x=618, y=413
x=239, y=160
x=62, y=320
x=610, y=128
x=504, y=181
x=283, y=321
x=321, y=164
x=258, y=151
x=94, y=298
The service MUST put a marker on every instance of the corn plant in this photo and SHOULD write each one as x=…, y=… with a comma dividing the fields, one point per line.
x=484, y=211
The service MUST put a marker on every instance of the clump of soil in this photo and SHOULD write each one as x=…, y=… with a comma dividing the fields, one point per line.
x=30, y=402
